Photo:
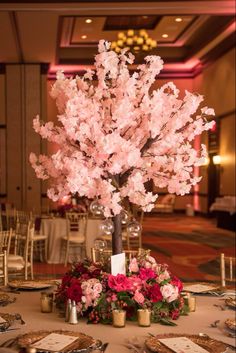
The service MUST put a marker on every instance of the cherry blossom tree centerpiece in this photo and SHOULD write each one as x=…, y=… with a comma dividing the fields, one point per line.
x=116, y=133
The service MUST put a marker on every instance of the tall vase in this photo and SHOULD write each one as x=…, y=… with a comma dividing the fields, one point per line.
x=117, y=236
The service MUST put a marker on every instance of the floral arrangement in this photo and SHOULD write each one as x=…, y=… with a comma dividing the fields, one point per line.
x=147, y=284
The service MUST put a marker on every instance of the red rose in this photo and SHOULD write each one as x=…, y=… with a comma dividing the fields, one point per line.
x=119, y=283
x=155, y=293
x=74, y=292
x=175, y=314
x=177, y=283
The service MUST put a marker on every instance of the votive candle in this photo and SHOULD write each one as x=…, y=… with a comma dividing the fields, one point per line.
x=144, y=317
x=118, y=318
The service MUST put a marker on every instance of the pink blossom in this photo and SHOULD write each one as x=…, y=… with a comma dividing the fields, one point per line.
x=121, y=127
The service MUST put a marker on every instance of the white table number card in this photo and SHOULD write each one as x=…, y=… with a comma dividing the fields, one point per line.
x=182, y=345
x=2, y=320
x=118, y=264
x=54, y=342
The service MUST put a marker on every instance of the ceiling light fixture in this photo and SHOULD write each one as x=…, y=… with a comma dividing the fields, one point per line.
x=84, y=36
x=165, y=35
x=88, y=20
x=135, y=41
x=178, y=19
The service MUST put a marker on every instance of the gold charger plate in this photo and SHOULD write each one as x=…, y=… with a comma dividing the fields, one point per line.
x=231, y=324
x=231, y=302
x=205, y=287
x=83, y=343
x=6, y=299
x=21, y=284
x=209, y=344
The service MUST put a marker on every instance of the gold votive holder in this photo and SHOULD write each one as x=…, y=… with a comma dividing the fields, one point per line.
x=118, y=318
x=144, y=317
x=192, y=303
x=46, y=302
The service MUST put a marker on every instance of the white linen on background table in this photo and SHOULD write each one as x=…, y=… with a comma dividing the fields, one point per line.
x=56, y=228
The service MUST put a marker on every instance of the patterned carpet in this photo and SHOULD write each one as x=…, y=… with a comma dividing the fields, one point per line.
x=191, y=246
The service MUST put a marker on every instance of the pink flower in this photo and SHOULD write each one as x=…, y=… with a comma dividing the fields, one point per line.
x=169, y=292
x=119, y=283
x=136, y=283
x=163, y=276
x=133, y=266
x=146, y=273
x=138, y=297
x=155, y=293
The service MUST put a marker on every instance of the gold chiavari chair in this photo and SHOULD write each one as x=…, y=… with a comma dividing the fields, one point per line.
x=22, y=263
x=76, y=234
x=227, y=270
x=5, y=242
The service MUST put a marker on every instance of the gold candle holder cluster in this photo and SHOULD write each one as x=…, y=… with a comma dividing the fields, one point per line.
x=119, y=317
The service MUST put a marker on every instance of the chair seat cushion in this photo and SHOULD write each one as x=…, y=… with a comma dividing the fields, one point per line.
x=12, y=258
x=17, y=265
x=75, y=239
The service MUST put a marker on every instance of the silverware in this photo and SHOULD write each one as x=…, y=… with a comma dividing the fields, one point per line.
x=104, y=347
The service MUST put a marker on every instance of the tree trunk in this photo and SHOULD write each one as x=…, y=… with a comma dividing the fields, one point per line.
x=116, y=236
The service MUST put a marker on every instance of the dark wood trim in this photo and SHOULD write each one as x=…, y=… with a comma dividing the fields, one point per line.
x=3, y=126
x=3, y=195
x=186, y=28
x=44, y=195
x=2, y=69
x=218, y=51
x=44, y=67
x=226, y=114
x=16, y=33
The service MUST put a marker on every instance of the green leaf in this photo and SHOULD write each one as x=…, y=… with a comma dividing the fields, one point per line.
x=167, y=322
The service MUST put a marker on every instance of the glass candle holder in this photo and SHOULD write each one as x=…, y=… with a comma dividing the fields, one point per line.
x=118, y=318
x=46, y=302
x=144, y=317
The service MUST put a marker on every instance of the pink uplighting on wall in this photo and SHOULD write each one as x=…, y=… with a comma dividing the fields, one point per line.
x=196, y=202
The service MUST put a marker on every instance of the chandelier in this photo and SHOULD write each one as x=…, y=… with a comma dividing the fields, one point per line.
x=135, y=41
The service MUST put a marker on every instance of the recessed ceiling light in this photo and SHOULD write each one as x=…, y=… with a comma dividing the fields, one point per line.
x=88, y=20
x=178, y=19
x=84, y=36
x=165, y=35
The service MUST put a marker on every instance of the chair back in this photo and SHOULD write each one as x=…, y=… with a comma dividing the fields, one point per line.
x=76, y=224
x=227, y=269
x=5, y=240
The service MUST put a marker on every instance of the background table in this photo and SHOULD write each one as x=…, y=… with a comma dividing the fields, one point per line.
x=56, y=228
x=28, y=305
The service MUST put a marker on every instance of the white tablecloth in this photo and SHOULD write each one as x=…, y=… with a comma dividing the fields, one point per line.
x=28, y=305
x=56, y=228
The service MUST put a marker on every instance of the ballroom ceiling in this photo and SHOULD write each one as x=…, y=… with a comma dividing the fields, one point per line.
x=189, y=34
